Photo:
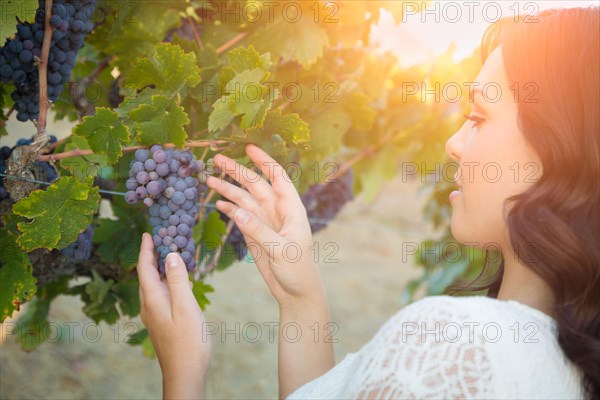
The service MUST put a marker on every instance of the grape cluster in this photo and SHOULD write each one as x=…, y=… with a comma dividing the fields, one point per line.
x=324, y=201
x=71, y=20
x=47, y=173
x=163, y=179
x=81, y=249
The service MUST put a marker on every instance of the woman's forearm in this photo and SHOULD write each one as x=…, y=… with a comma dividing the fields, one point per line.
x=305, y=344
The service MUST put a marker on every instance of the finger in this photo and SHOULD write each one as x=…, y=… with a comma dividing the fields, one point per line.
x=146, y=268
x=182, y=298
x=232, y=192
x=255, y=183
x=250, y=225
x=282, y=184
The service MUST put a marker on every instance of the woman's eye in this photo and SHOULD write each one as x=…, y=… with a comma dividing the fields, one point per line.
x=476, y=120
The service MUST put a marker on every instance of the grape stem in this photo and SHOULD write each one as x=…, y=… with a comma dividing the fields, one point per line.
x=42, y=137
x=7, y=116
x=79, y=152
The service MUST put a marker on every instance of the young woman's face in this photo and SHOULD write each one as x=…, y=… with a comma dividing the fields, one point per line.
x=495, y=162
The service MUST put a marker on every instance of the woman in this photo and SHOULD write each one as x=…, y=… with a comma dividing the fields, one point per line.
x=536, y=334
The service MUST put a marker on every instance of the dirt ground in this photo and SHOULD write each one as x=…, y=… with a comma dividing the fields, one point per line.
x=364, y=275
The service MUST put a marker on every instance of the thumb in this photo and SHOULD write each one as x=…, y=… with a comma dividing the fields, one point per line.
x=178, y=281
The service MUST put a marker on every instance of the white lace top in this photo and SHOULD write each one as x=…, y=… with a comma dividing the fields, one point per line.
x=446, y=347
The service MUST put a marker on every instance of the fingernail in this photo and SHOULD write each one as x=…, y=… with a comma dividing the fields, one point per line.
x=242, y=216
x=172, y=261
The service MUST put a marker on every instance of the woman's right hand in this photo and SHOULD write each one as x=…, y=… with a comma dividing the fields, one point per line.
x=275, y=227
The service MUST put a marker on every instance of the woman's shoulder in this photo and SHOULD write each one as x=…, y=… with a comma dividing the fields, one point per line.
x=478, y=308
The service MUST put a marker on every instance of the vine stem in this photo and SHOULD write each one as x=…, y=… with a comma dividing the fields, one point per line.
x=7, y=116
x=42, y=138
x=232, y=42
x=79, y=152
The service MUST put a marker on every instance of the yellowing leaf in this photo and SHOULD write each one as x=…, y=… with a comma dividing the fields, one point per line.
x=58, y=213
x=105, y=133
x=242, y=58
x=10, y=9
x=17, y=284
x=162, y=121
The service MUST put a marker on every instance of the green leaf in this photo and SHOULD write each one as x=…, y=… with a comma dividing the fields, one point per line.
x=17, y=284
x=169, y=68
x=290, y=127
x=242, y=58
x=162, y=121
x=244, y=97
x=200, y=289
x=105, y=133
x=113, y=248
x=213, y=230
x=127, y=293
x=100, y=301
x=58, y=214
x=329, y=127
x=33, y=326
x=84, y=166
x=302, y=41
x=11, y=9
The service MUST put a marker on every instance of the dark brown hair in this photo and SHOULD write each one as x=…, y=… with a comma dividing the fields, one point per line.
x=557, y=53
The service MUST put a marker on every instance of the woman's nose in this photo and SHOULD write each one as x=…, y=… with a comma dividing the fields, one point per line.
x=454, y=146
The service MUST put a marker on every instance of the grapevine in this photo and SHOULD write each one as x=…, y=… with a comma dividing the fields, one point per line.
x=171, y=85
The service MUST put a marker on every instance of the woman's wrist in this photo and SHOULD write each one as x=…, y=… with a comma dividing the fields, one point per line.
x=184, y=382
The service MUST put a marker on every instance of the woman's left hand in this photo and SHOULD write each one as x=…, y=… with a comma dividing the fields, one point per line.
x=175, y=324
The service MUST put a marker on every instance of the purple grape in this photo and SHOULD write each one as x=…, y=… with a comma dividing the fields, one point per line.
x=153, y=175
x=178, y=197
x=157, y=240
x=186, y=219
x=163, y=251
x=148, y=202
x=142, y=155
x=174, y=220
x=142, y=177
x=162, y=169
x=191, y=193
x=159, y=156
x=186, y=256
x=155, y=147
x=169, y=192
x=162, y=232
x=164, y=212
x=155, y=221
x=172, y=231
x=154, y=210
x=131, y=197
x=173, y=247
x=141, y=192
x=135, y=168
x=167, y=240
x=150, y=164
x=153, y=188
x=180, y=241
x=131, y=184
x=183, y=230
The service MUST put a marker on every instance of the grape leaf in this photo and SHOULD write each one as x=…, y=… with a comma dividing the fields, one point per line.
x=162, y=121
x=302, y=41
x=11, y=9
x=200, y=289
x=58, y=214
x=127, y=293
x=105, y=133
x=33, y=326
x=290, y=127
x=17, y=284
x=99, y=299
x=81, y=167
x=244, y=97
x=169, y=69
x=213, y=229
x=242, y=58
x=329, y=126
